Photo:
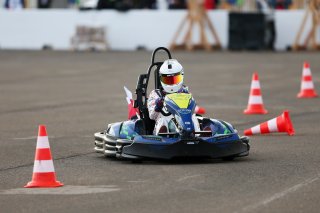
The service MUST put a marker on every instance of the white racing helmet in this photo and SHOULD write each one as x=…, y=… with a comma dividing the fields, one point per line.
x=171, y=75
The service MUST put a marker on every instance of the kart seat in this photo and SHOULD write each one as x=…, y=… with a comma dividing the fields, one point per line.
x=140, y=128
x=141, y=90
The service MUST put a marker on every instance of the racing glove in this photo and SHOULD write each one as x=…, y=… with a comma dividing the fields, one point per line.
x=159, y=104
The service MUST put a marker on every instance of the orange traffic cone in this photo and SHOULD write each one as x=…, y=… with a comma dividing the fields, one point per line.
x=307, y=88
x=281, y=123
x=43, y=169
x=255, y=103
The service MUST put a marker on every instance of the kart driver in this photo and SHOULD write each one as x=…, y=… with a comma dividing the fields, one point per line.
x=171, y=78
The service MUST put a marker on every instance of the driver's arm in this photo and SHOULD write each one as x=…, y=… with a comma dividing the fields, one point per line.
x=153, y=114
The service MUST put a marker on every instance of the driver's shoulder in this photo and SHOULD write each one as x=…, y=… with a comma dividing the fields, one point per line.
x=155, y=93
x=184, y=89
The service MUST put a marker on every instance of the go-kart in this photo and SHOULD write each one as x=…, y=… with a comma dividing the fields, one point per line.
x=134, y=139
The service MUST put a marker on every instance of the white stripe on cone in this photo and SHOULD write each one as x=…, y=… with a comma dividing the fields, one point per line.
x=255, y=84
x=307, y=85
x=254, y=99
x=306, y=72
x=256, y=129
x=281, y=123
x=255, y=102
x=42, y=142
x=43, y=170
x=307, y=88
x=272, y=125
x=43, y=166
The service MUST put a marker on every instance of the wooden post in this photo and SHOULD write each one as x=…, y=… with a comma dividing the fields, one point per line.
x=311, y=39
x=295, y=45
x=197, y=15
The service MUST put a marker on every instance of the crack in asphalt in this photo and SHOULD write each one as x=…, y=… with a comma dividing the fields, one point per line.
x=279, y=195
x=56, y=159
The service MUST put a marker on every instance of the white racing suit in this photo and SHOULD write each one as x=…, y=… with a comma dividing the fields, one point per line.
x=162, y=120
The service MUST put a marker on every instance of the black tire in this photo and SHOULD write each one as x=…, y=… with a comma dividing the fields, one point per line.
x=229, y=158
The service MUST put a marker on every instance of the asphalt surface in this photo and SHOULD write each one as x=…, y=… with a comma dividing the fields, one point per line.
x=77, y=94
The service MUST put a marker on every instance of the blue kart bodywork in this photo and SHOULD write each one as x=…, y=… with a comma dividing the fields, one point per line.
x=123, y=140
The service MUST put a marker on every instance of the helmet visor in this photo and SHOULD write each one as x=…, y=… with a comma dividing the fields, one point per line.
x=171, y=79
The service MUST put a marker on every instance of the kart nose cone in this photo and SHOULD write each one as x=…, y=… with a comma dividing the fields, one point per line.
x=187, y=134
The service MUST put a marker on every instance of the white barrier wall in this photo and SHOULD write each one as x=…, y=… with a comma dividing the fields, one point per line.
x=287, y=26
x=32, y=29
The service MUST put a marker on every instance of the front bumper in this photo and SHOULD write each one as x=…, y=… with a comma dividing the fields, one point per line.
x=198, y=148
